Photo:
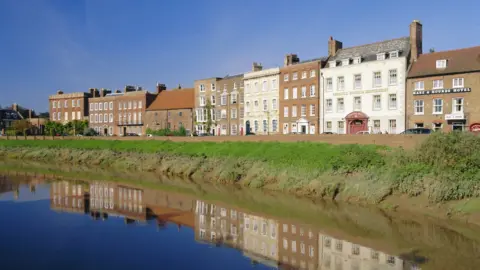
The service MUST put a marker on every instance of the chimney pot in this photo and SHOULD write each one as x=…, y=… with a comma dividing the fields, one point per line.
x=161, y=87
x=256, y=66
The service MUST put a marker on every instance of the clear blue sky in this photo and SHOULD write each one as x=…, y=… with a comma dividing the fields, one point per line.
x=46, y=45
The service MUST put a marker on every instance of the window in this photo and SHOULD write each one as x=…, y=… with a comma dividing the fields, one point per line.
x=419, y=85
x=312, y=109
x=438, y=106
x=66, y=104
x=392, y=75
x=110, y=118
x=391, y=260
x=285, y=111
x=377, y=79
x=274, y=84
x=457, y=105
x=376, y=126
x=265, y=105
x=264, y=86
x=285, y=78
x=212, y=99
x=55, y=105
x=59, y=116
x=256, y=87
x=129, y=105
x=357, y=103
x=437, y=126
x=374, y=255
x=341, y=127
x=100, y=118
x=140, y=104
x=418, y=105
x=125, y=105
x=100, y=106
x=240, y=98
x=265, y=126
x=294, y=93
x=437, y=84
x=59, y=104
x=242, y=112
x=312, y=73
x=294, y=111
x=358, y=81
x=304, y=74
x=392, y=126
x=255, y=125
x=332, y=64
x=377, y=102
x=303, y=110
x=357, y=60
x=73, y=115
x=55, y=117
x=223, y=99
x=213, y=87
x=355, y=249
x=441, y=63
x=340, y=105
x=394, y=54
x=381, y=56
x=105, y=105
x=73, y=103
x=312, y=90
x=392, y=101
x=256, y=105
x=304, y=91
x=329, y=84
x=285, y=243
x=285, y=93
x=294, y=246
x=302, y=248
x=111, y=105
x=202, y=87
x=202, y=101
x=295, y=76
x=233, y=114
x=341, y=83
x=66, y=116
x=419, y=125
x=79, y=116
x=457, y=82
x=105, y=118
x=339, y=245
x=274, y=104
x=274, y=129
x=345, y=62
x=329, y=126
x=329, y=105
x=223, y=114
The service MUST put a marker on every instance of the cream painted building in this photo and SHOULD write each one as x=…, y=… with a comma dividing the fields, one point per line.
x=262, y=100
x=363, y=87
x=343, y=255
x=260, y=239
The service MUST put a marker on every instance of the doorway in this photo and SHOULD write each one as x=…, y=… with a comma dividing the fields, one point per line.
x=304, y=129
x=247, y=127
x=105, y=131
x=124, y=131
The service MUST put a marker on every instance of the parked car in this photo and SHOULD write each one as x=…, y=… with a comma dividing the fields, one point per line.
x=364, y=132
x=132, y=134
x=250, y=133
x=328, y=132
x=417, y=131
x=149, y=135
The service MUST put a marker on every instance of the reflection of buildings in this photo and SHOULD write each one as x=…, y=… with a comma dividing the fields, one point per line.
x=69, y=197
x=297, y=246
x=260, y=239
x=6, y=185
x=339, y=254
x=218, y=225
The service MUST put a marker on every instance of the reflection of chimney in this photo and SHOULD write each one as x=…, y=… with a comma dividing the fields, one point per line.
x=256, y=66
x=161, y=87
x=416, y=40
x=290, y=59
x=334, y=46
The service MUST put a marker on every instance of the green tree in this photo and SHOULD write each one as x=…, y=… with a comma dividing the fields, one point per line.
x=21, y=126
x=210, y=122
x=53, y=128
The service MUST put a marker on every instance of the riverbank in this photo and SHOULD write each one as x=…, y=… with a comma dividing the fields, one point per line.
x=444, y=168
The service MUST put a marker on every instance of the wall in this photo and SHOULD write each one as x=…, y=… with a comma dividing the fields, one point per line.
x=226, y=88
x=210, y=88
x=428, y=118
x=366, y=69
x=76, y=111
x=160, y=119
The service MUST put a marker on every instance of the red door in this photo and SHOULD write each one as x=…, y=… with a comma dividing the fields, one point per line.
x=357, y=125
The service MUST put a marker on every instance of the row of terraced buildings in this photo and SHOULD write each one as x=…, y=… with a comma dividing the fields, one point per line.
x=382, y=87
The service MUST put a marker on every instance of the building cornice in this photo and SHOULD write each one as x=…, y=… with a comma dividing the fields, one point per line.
x=261, y=73
x=70, y=95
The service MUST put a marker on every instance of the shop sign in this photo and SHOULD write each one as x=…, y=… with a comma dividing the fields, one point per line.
x=475, y=127
x=454, y=116
x=442, y=91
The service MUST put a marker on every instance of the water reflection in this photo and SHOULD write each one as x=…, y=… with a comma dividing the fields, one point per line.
x=266, y=240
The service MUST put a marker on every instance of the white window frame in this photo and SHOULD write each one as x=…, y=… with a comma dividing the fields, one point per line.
x=294, y=93
x=442, y=63
x=392, y=77
x=304, y=92
x=303, y=110
x=357, y=106
x=274, y=104
x=313, y=73
x=286, y=77
x=375, y=103
x=312, y=110
x=357, y=84
x=417, y=104
x=380, y=56
x=265, y=105
x=201, y=88
x=203, y=100
x=419, y=85
x=391, y=103
x=393, y=54
x=285, y=111
x=294, y=111
x=329, y=84
x=437, y=84
x=285, y=93
x=342, y=107
x=295, y=76
x=377, y=82
x=454, y=105
x=435, y=106
x=312, y=90
x=458, y=82
x=304, y=74
x=341, y=85
x=329, y=105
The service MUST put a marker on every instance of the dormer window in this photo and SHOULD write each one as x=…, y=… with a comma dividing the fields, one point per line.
x=345, y=62
x=380, y=56
x=393, y=54
x=442, y=63
x=332, y=64
x=357, y=60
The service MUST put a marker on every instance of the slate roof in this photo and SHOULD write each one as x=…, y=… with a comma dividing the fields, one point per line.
x=369, y=52
x=173, y=99
x=458, y=61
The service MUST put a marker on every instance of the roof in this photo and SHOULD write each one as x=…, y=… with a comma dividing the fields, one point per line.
x=174, y=99
x=369, y=51
x=458, y=61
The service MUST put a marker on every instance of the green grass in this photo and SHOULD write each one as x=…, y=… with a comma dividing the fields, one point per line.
x=443, y=168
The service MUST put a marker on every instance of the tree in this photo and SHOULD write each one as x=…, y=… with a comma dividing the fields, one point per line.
x=432, y=50
x=21, y=126
x=209, y=107
x=53, y=128
x=44, y=115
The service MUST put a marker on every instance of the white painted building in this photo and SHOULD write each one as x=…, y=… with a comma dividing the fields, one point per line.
x=363, y=88
x=261, y=100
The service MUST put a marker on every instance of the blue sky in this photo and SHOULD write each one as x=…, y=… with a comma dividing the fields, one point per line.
x=46, y=45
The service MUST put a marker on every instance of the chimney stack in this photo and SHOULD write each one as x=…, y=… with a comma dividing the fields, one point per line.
x=416, y=40
x=256, y=66
x=334, y=46
x=290, y=59
x=179, y=86
x=59, y=92
x=161, y=87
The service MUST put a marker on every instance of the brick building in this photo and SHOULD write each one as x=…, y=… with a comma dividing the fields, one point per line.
x=65, y=108
x=298, y=246
x=205, y=93
x=171, y=109
x=299, y=95
x=443, y=91
x=120, y=113
x=229, y=105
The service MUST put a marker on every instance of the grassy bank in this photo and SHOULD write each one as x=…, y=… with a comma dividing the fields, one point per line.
x=443, y=168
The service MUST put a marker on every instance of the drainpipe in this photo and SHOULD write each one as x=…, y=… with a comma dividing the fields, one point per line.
x=321, y=102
